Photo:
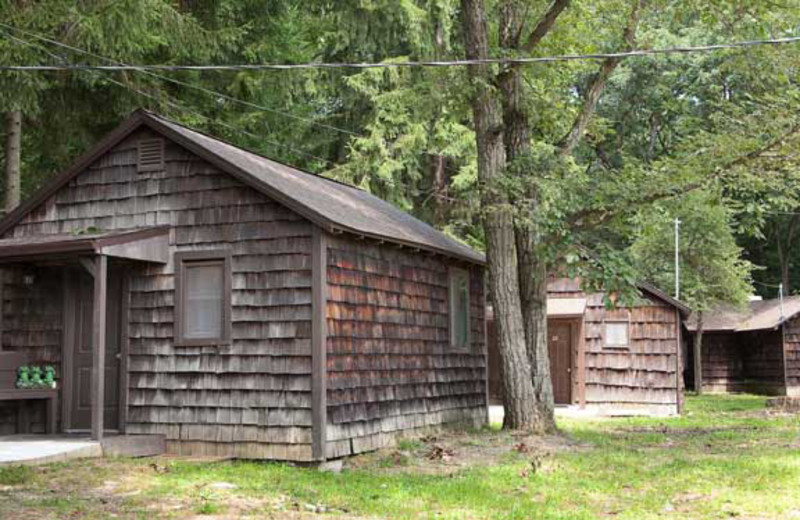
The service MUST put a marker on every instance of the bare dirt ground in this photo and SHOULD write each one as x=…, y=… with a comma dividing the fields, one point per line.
x=450, y=452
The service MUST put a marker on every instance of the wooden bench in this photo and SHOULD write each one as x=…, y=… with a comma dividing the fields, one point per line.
x=9, y=363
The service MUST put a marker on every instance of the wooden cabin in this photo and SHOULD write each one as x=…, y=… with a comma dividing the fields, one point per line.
x=620, y=361
x=185, y=287
x=755, y=349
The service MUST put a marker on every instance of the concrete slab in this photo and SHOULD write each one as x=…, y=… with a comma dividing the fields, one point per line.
x=576, y=412
x=44, y=449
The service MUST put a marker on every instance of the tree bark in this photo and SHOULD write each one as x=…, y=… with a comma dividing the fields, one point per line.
x=533, y=295
x=698, y=355
x=439, y=190
x=532, y=271
x=13, y=159
x=519, y=399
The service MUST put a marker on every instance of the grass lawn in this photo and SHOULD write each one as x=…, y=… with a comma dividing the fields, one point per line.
x=727, y=457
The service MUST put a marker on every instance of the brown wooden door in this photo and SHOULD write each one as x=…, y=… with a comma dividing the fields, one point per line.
x=560, y=347
x=82, y=288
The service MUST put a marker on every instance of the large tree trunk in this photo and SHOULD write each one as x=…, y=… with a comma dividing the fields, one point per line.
x=13, y=158
x=518, y=396
x=698, y=355
x=532, y=286
x=533, y=293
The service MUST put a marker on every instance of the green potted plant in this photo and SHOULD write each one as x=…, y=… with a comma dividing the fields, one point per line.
x=36, y=377
x=50, y=376
x=24, y=377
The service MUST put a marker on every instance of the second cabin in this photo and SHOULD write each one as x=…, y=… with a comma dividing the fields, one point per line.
x=622, y=361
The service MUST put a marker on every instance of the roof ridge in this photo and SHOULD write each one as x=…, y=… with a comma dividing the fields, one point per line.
x=155, y=115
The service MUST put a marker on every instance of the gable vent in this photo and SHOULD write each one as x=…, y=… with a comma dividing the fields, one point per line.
x=151, y=155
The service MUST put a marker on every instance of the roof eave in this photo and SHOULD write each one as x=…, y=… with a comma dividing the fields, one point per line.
x=684, y=309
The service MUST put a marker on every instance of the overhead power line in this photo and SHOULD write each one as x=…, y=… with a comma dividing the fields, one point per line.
x=174, y=105
x=410, y=64
x=174, y=81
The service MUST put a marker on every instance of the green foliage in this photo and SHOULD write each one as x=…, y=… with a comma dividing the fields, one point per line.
x=712, y=268
x=665, y=126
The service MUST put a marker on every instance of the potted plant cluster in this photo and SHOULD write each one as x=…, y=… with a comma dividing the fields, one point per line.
x=36, y=376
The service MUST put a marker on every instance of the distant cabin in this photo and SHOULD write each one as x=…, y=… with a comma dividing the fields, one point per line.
x=755, y=349
x=621, y=361
x=185, y=287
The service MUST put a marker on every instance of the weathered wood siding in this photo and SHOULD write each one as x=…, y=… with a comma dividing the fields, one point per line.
x=792, y=353
x=248, y=399
x=31, y=323
x=722, y=364
x=390, y=365
x=640, y=378
x=744, y=362
x=762, y=354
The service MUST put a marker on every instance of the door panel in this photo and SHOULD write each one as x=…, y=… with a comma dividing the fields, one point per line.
x=560, y=347
x=82, y=288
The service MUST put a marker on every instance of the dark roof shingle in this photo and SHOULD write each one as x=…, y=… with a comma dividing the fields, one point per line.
x=331, y=205
x=757, y=315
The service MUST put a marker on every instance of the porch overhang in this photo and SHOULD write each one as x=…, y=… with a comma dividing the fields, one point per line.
x=566, y=307
x=143, y=244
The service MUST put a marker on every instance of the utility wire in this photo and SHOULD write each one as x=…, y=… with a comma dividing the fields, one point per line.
x=177, y=106
x=214, y=93
x=774, y=286
x=411, y=64
x=175, y=81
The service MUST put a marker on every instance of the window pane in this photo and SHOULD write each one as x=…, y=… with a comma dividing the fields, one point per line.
x=204, y=295
x=617, y=334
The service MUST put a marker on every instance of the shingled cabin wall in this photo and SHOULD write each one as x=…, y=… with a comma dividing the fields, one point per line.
x=722, y=362
x=792, y=353
x=30, y=323
x=642, y=378
x=390, y=365
x=251, y=398
x=745, y=362
x=762, y=353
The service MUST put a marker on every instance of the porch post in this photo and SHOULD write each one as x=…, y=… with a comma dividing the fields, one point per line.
x=99, y=344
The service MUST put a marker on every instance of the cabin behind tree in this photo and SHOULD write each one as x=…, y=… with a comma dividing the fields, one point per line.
x=625, y=360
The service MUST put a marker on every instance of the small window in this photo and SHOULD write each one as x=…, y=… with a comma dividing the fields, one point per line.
x=202, y=298
x=616, y=334
x=459, y=308
x=151, y=155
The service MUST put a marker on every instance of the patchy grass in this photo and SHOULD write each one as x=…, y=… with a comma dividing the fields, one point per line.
x=726, y=457
x=15, y=475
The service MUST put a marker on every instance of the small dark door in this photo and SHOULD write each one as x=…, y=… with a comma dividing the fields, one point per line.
x=82, y=288
x=560, y=346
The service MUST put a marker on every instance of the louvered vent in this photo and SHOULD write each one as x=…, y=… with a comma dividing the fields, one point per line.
x=151, y=155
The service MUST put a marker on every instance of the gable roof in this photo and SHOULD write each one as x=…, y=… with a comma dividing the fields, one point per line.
x=758, y=315
x=333, y=206
x=652, y=290
x=573, y=286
